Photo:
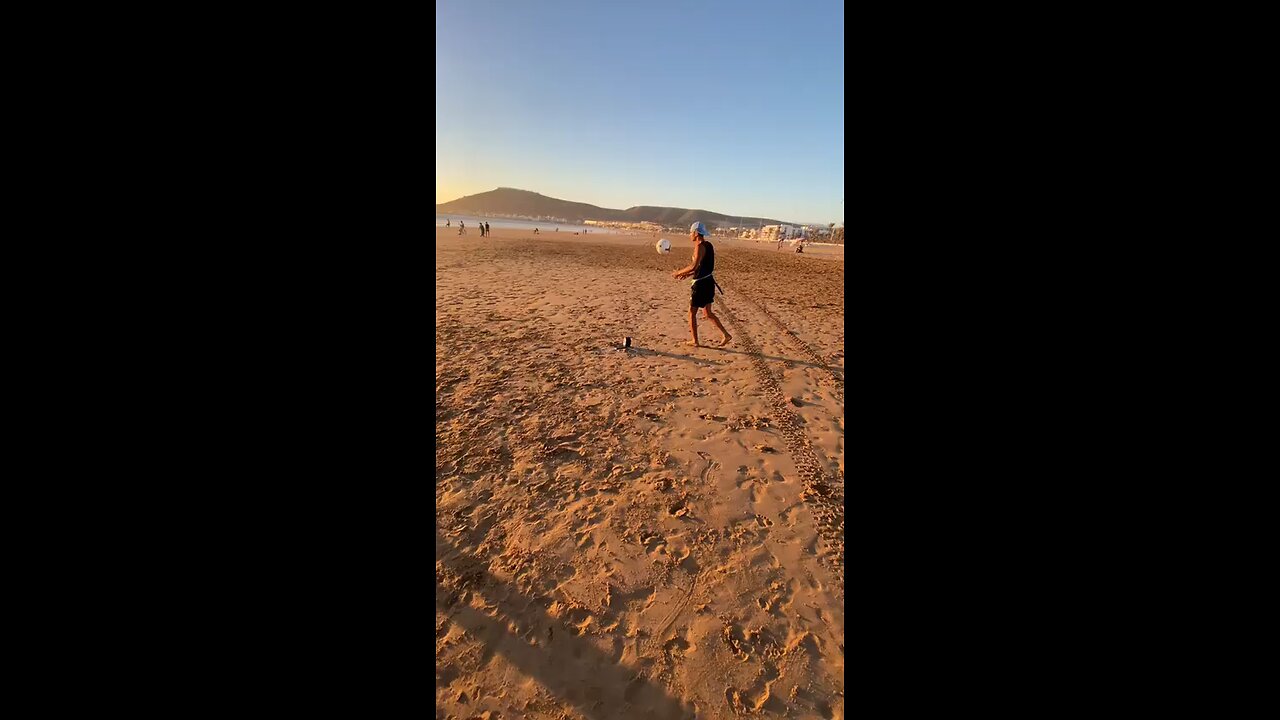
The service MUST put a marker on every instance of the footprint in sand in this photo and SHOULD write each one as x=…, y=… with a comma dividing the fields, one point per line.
x=679, y=508
x=778, y=598
x=706, y=471
x=654, y=544
x=679, y=646
x=754, y=698
x=805, y=642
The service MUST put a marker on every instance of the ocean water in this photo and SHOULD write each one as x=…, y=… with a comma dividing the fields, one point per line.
x=543, y=227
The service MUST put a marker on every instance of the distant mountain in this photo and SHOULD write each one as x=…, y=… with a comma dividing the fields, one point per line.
x=509, y=201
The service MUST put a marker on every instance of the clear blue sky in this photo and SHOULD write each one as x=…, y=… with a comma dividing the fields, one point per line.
x=732, y=107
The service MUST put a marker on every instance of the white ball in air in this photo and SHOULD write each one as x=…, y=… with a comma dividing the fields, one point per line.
x=663, y=246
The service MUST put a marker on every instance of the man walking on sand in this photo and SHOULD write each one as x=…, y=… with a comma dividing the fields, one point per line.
x=703, y=290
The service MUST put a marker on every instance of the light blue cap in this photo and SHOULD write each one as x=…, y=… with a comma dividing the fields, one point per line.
x=700, y=229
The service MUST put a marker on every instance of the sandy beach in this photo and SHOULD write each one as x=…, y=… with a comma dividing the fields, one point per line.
x=644, y=533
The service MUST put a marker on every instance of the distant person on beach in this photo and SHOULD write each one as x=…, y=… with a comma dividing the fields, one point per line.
x=535, y=231
x=487, y=230
x=446, y=222
x=703, y=291
x=462, y=228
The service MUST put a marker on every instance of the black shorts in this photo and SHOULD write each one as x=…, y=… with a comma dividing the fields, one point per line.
x=702, y=294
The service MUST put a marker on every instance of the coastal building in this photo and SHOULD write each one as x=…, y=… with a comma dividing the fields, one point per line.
x=644, y=225
x=779, y=232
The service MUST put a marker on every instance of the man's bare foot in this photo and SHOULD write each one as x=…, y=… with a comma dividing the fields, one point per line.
x=725, y=340
x=693, y=343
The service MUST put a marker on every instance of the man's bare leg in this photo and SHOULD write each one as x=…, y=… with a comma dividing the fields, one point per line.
x=725, y=337
x=693, y=325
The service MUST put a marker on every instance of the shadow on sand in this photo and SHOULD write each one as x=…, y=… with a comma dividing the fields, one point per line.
x=577, y=671
x=650, y=351
x=828, y=368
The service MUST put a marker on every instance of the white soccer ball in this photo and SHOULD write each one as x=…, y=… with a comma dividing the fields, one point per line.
x=663, y=246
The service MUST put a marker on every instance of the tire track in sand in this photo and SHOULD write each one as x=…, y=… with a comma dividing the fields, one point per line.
x=820, y=491
x=799, y=344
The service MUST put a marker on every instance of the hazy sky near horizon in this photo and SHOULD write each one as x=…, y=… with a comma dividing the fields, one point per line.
x=732, y=107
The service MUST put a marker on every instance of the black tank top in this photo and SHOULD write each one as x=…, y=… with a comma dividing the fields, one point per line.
x=708, y=264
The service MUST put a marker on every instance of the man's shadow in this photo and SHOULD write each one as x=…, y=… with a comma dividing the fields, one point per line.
x=641, y=351
x=828, y=368
x=571, y=667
